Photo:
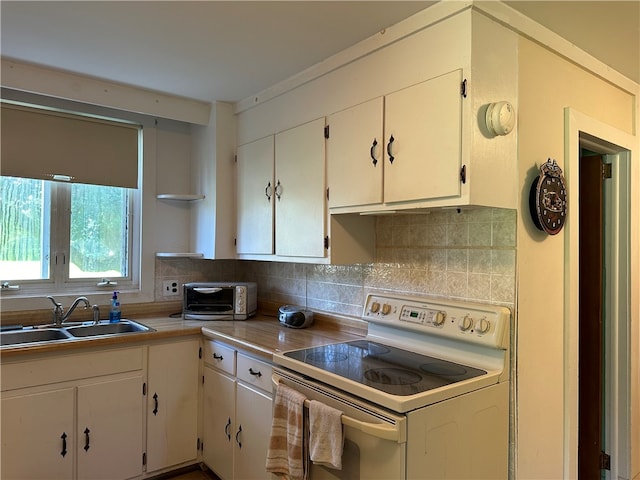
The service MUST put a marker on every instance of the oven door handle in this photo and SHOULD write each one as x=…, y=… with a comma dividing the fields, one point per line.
x=207, y=289
x=378, y=430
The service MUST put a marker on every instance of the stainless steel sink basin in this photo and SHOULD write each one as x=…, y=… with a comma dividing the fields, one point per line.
x=124, y=326
x=33, y=335
x=71, y=332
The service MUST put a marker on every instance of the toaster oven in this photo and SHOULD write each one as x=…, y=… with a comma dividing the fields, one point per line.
x=219, y=300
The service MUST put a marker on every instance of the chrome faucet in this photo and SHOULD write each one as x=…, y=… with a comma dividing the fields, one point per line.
x=59, y=317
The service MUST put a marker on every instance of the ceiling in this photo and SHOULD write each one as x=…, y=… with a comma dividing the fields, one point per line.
x=215, y=50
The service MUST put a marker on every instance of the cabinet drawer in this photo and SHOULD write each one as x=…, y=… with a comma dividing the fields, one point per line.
x=254, y=372
x=220, y=356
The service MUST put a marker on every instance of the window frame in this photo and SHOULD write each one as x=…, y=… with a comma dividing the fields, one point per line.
x=57, y=246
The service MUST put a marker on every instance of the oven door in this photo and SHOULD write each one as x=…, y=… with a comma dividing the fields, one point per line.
x=375, y=439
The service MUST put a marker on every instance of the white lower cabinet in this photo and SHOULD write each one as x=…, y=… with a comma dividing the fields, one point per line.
x=218, y=416
x=74, y=416
x=172, y=404
x=109, y=429
x=38, y=426
x=253, y=419
x=237, y=413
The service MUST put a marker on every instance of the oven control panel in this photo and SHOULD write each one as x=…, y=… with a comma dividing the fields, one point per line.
x=470, y=322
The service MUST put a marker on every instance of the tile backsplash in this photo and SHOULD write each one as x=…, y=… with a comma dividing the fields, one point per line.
x=467, y=254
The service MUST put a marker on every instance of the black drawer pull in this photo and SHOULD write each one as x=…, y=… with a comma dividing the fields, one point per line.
x=218, y=357
x=64, y=444
x=254, y=373
x=155, y=400
x=86, y=439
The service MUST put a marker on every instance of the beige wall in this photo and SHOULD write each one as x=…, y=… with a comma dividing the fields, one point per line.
x=548, y=84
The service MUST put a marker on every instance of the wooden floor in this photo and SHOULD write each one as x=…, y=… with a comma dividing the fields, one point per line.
x=195, y=474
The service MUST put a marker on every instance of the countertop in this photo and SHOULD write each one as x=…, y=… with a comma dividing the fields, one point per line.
x=261, y=335
x=264, y=335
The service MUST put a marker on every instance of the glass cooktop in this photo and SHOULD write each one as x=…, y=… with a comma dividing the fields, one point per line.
x=389, y=369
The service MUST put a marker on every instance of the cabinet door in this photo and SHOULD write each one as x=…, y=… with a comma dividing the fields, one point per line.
x=37, y=435
x=219, y=422
x=255, y=197
x=355, y=155
x=423, y=135
x=172, y=404
x=300, y=186
x=253, y=414
x=109, y=429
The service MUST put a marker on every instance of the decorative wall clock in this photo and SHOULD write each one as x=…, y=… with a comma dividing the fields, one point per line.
x=548, y=198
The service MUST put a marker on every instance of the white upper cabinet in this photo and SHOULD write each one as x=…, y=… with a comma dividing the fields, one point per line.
x=281, y=194
x=355, y=155
x=255, y=197
x=403, y=147
x=423, y=140
x=300, y=191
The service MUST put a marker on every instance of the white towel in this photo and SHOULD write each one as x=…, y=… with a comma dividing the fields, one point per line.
x=326, y=437
x=287, y=453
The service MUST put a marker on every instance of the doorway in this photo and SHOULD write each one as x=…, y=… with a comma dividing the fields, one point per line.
x=612, y=308
x=592, y=457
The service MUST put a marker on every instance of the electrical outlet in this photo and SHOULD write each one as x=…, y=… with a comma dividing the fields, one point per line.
x=170, y=288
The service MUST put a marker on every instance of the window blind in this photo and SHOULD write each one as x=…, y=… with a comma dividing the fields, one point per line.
x=51, y=145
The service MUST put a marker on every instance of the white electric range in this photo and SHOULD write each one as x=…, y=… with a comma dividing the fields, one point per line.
x=429, y=386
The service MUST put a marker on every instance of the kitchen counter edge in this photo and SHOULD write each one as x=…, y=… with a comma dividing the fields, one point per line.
x=261, y=335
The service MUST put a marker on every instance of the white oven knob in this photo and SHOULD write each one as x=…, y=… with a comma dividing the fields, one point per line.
x=465, y=323
x=483, y=325
x=386, y=308
x=375, y=306
x=439, y=320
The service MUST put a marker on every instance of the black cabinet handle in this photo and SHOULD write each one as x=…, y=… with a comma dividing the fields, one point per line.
x=155, y=400
x=278, y=190
x=238, y=436
x=391, y=157
x=227, y=427
x=217, y=357
x=254, y=373
x=64, y=444
x=268, y=191
x=86, y=439
x=372, y=152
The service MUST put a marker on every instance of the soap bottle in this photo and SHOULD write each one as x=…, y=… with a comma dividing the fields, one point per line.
x=114, y=313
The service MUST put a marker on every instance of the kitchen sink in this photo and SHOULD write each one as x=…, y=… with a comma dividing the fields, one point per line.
x=123, y=326
x=33, y=335
x=29, y=335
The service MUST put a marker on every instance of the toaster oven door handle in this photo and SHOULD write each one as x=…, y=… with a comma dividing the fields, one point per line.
x=206, y=289
x=378, y=430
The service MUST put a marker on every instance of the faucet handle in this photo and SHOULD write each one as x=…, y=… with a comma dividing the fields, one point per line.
x=58, y=311
x=53, y=300
x=96, y=314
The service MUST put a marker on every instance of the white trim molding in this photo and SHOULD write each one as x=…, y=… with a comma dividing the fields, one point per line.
x=623, y=284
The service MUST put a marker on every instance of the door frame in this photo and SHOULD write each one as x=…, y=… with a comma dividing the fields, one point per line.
x=622, y=284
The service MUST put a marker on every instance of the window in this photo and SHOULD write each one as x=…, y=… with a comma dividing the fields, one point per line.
x=70, y=235
x=64, y=233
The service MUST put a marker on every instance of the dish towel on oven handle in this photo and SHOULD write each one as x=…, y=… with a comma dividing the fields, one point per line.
x=326, y=435
x=287, y=454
